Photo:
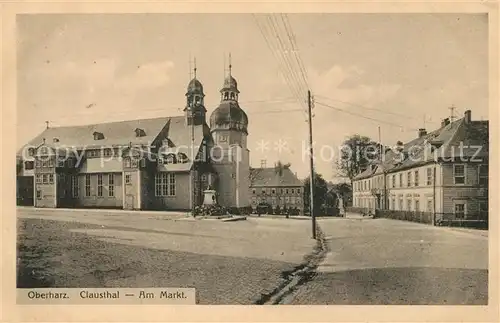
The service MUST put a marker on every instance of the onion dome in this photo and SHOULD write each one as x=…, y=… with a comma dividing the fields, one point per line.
x=229, y=115
x=195, y=86
x=230, y=84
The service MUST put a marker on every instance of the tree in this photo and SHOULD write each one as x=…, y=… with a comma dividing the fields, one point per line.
x=356, y=154
x=320, y=189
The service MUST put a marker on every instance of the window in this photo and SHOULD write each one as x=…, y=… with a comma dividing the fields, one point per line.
x=393, y=181
x=127, y=162
x=111, y=185
x=401, y=180
x=459, y=173
x=253, y=191
x=408, y=181
x=28, y=165
x=143, y=163
x=45, y=179
x=483, y=175
x=50, y=163
x=98, y=135
x=459, y=210
x=87, y=185
x=134, y=163
x=31, y=152
x=60, y=162
x=165, y=184
x=417, y=205
x=298, y=200
x=408, y=205
x=292, y=200
x=99, y=185
x=273, y=191
x=170, y=159
x=416, y=178
x=182, y=158
x=38, y=179
x=293, y=191
x=298, y=191
x=393, y=202
x=128, y=178
x=51, y=178
x=223, y=138
x=108, y=152
x=74, y=186
x=38, y=195
x=429, y=176
x=401, y=203
x=263, y=191
x=430, y=205
x=92, y=153
x=286, y=190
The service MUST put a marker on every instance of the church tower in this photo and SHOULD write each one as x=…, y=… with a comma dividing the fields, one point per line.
x=229, y=129
x=195, y=109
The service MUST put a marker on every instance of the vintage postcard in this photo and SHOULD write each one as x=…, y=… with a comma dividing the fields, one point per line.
x=169, y=156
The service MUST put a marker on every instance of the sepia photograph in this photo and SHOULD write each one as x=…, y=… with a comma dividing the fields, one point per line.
x=252, y=158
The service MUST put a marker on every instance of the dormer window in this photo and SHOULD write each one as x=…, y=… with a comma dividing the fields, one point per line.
x=140, y=132
x=31, y=152
x=182, y=158
x=98, y=135
x=55, y=140
x=170, y=159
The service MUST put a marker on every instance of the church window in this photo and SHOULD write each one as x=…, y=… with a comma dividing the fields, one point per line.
x=182, y=158
x=170, y=159
x=111, y=185
x=74, y=185
x=87, y=185
x=165, y=184
x=99, y=184
x=31, y=152
x=226, y=95
x=232, y=95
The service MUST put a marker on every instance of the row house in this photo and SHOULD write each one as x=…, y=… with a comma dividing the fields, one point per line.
x=444, y=172
x=277, y=187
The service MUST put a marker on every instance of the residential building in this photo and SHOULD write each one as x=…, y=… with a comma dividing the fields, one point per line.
x=277, y=187
x=444, y=172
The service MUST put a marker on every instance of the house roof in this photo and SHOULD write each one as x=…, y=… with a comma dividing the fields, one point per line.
x=271, y=177
x=441, y=144
x=119, y=134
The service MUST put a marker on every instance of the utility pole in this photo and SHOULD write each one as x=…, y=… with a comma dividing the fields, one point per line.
x=311, y=166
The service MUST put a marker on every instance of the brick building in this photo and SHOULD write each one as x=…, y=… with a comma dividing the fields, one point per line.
x=444, y=172
x=162, y=163
x=277, y=187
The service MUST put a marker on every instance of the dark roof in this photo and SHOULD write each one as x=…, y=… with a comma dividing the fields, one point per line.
x=228, y=112
x=271, y=177
x=446, y=141
x=195, y=86
x=122, y=134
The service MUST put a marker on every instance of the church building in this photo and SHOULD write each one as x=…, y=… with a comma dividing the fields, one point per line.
x=162, y=163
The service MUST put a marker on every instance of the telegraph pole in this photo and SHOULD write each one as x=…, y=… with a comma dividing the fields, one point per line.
x=311, y=166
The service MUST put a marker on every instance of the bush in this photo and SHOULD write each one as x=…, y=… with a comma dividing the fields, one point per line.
x=210, y=210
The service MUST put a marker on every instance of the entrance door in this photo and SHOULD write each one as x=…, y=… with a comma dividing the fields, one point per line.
x=25, y=190
x=129, y=202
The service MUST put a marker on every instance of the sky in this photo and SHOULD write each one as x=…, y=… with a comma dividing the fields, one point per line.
x=397, y=71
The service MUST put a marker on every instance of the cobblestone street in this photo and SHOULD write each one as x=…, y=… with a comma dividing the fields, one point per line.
x=257, y=261
x=227, y=262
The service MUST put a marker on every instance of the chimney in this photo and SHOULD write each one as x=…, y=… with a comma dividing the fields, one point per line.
x=445, y=122
x=399, y=145
x=421, y=132
x=467, y=116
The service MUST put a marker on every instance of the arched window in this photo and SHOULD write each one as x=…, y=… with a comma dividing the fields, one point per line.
x=226, y=95
x=232, y=96
x=170, y=159
x=182, y=158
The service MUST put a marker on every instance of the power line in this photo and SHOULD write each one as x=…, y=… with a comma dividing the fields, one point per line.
x=372, y=109
x=362, y=116
x=282, y=67
x=296, y=52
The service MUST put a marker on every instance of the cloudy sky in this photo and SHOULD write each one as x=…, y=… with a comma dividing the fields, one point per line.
x=387, y=70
